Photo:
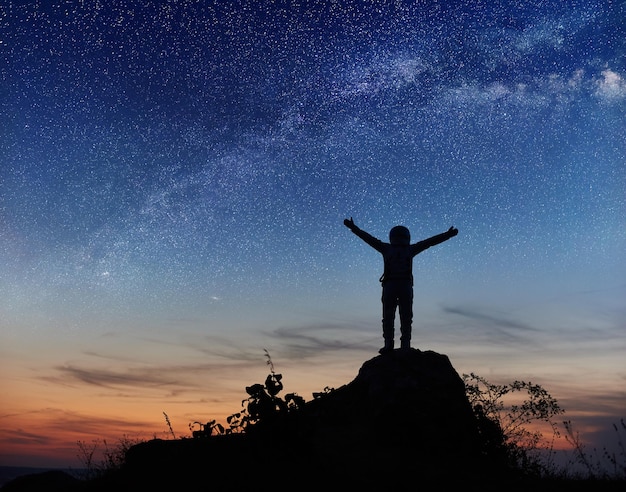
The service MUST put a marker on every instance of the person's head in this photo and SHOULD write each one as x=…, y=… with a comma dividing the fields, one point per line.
x=399, y=235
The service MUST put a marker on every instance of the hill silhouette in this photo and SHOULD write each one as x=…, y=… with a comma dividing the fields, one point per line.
x=404, y=415
x=404, y=421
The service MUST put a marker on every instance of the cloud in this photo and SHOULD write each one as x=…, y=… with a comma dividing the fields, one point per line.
x=495, y=326
x=611, y=87
x=602, y=403
x=54, y=422
x=192, y=366
x=144, y=377
x=542, y=91
x=140, y=381
x=312, y=340
x=21, y=436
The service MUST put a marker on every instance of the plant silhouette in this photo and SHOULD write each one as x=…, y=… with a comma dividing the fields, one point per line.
x=263, y=406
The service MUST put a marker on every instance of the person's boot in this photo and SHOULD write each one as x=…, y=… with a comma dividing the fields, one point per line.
x=388, y=348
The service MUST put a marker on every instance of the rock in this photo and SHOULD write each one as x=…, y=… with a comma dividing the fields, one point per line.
x=406, y=410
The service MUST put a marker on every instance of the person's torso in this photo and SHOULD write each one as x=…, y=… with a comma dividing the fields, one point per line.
x=398, y=262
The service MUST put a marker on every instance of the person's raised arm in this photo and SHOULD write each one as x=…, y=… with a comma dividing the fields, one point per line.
x=438, y=239
x=349, y=223
x=369, y=239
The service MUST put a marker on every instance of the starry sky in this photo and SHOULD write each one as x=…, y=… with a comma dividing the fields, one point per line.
x=174, y=178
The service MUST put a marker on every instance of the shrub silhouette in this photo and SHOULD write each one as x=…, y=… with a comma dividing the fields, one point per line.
x=610, y=464
x=208, y=429
x=262, y=407
x=503, y=428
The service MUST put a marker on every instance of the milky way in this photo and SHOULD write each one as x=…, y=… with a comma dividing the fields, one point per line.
x=208, y=145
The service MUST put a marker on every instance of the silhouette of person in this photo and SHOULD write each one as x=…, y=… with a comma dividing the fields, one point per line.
x=397, y=277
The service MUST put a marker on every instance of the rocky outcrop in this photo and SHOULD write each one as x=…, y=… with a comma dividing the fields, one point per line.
x=407, y=403
x=404, y=417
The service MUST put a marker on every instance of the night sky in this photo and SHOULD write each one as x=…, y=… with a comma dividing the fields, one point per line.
x=174, y=178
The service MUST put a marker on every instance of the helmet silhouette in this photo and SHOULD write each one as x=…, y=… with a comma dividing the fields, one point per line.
x=399, y=235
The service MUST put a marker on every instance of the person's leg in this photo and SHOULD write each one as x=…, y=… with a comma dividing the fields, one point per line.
x=389, y=300
x=405, y=309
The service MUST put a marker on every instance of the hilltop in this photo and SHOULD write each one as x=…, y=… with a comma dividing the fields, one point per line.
x=404, y=420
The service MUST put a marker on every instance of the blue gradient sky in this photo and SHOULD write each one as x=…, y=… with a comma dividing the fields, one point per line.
x=174, y=177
